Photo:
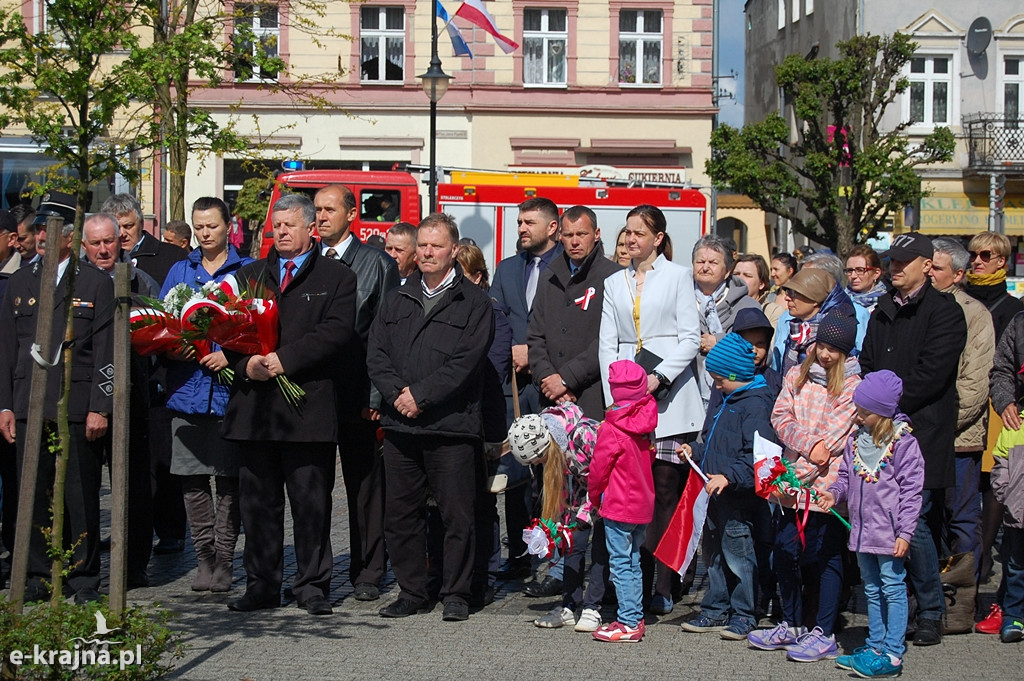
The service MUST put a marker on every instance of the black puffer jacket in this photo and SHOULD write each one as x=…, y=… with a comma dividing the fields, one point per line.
x=1000, y=303
x=437, y=355
x=921, y=342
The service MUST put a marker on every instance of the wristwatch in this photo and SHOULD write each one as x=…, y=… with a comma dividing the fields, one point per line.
x=104, y=414
x=661, y=377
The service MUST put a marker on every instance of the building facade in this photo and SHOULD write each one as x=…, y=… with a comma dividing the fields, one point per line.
x=625, y=84
x=966, y=75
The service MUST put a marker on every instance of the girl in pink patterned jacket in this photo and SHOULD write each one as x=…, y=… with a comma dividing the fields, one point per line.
x=813, y=417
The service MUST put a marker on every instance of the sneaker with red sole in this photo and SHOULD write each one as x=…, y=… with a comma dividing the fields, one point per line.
x=616, y=632
x=992, y=622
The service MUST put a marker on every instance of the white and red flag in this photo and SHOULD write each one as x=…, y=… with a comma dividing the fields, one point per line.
x=474, y=12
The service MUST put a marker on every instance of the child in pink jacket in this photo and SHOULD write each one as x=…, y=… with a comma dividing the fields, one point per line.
x=621, y=485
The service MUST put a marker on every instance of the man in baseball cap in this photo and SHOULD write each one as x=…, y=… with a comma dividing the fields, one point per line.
x=906, y=247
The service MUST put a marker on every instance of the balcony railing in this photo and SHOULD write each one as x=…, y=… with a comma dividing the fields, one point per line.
x=995, y=142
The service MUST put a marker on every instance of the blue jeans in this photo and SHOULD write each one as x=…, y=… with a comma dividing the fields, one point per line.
x=923, y=566
x=886, y=594
x=728, y=546
x=624, y=540
x=818, y=565
x=963, y=508
x=1013, y=574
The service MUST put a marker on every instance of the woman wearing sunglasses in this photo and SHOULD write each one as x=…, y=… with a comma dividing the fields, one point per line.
x=986, y=280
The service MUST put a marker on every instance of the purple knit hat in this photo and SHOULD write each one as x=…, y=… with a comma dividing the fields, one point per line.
x=879, y=393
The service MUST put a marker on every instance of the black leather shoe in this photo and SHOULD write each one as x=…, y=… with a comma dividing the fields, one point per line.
x=929, y=633
x=365, y=591
x=403, y=607
x=138, y=580
x=36, y=592
x=249, y=603
x=86, y=595
x=168, y=546
x=483, y=598
x=549, y=587
x=317, y=605
x=514, y=570
x=455, y=611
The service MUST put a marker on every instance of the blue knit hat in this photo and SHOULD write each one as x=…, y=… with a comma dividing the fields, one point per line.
x=732, y=358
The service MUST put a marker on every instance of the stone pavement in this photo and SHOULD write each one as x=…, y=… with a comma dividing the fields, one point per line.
x=498, y=642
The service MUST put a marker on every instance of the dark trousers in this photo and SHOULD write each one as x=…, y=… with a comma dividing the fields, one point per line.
x=817, y=564
x=575, y=568
x=963, y=509
x=306, y=471
x=923, y=563
x=9, y=505
x=81, y=507
x=168, y=500
x=669, y=482
x=519, y=502
x=447, y=465
x=363, y=472
x=140, y=492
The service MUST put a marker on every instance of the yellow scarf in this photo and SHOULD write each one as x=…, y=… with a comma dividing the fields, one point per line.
x=986, y=279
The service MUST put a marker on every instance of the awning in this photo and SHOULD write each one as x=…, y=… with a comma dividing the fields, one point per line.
x=954, y=213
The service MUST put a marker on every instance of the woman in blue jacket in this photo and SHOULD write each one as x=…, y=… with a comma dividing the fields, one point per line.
x=197, y=400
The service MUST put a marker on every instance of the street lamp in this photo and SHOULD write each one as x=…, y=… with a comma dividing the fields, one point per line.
x=435, y=84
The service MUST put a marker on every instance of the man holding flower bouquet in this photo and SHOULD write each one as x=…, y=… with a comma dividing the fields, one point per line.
x=289, y=427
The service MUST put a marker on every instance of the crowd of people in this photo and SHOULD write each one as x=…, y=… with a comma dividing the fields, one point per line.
x=612, y=376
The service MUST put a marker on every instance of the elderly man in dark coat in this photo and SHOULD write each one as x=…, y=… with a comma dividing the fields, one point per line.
x=89, y=407
x=426, y=348
x=919, y=333
x=291, y=446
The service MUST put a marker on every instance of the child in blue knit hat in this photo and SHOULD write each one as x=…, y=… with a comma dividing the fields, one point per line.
x=726, y=454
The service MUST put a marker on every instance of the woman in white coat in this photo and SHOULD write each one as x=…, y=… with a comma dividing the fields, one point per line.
x=651, y=306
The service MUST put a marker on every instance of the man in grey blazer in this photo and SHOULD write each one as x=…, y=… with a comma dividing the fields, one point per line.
x=516, y=280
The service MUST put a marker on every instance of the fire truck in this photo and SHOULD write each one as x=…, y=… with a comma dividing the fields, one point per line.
x=485, y=205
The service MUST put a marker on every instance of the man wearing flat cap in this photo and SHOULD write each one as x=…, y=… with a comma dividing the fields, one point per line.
x=918, y=333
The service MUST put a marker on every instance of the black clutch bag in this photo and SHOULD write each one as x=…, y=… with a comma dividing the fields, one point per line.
x=648, y=361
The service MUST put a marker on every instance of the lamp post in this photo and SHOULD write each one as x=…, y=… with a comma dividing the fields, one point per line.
x=435, y=84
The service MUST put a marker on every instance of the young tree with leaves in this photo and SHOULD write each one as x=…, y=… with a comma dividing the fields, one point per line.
x=197, y=45
x=844, y=173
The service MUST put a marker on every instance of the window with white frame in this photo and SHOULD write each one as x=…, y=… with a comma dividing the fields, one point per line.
x=256, y=41
x=1013, y=80
x=782, y=13
x=640, y=46
x=931, y=80
x=796, y=10
x=545, y=41
x=382, y=44
x=808, y=6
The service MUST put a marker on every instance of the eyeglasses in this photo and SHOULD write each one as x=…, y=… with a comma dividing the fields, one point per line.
x=984, y=255
x=859, y=271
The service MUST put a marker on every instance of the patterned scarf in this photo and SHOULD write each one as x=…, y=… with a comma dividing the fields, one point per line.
x=868, y=298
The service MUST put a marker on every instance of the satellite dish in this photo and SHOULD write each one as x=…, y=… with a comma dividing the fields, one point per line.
x=979, y=35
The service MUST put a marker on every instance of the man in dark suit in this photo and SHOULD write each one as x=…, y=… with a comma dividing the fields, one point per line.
x=291, y=446
x=89, y=406
x=425, y=352
x=148, y=253
x=516, y=280
x=155, y=258
x=358, y=401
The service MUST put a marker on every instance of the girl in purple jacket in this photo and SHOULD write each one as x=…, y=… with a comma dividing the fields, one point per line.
x=881, y=481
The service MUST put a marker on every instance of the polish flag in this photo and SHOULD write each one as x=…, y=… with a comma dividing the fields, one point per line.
x=474, y=12
x=679, y=544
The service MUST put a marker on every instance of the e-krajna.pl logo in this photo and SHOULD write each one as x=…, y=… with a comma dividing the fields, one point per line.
x=81, y=652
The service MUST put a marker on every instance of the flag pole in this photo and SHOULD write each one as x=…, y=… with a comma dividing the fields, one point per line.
x=697, y=469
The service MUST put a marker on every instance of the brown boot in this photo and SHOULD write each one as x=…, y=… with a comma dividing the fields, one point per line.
x=204, y=575
x=199, y=509
x=226, y=527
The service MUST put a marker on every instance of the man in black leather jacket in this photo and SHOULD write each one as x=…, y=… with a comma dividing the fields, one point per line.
x=358, y=401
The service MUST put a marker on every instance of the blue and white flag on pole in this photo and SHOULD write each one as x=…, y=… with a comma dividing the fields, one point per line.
x=458, y=42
